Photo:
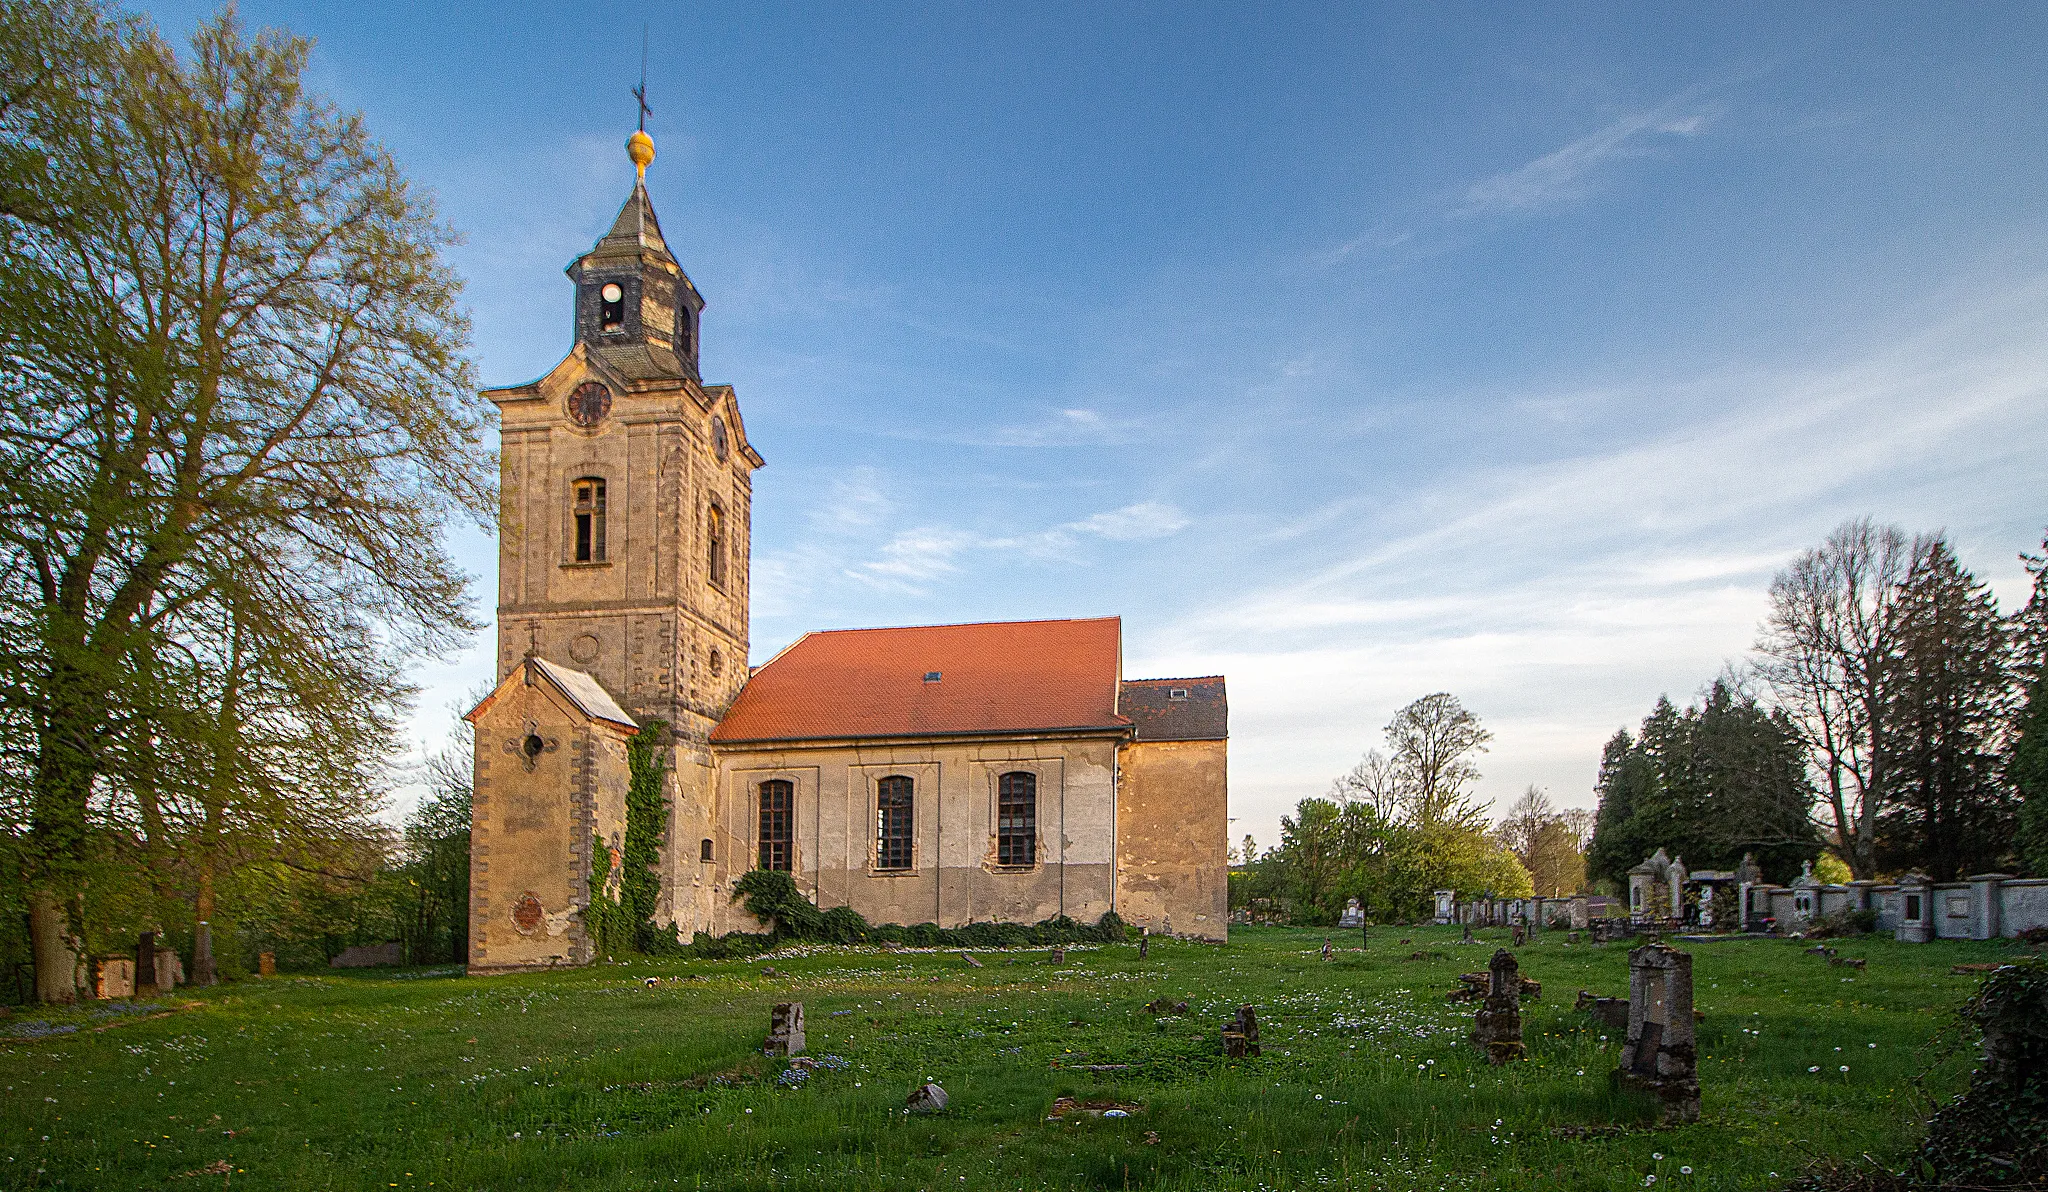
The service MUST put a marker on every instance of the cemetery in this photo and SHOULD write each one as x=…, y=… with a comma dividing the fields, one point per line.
x=1287, y=1058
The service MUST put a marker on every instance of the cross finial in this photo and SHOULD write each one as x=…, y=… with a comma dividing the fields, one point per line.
x=640, y=92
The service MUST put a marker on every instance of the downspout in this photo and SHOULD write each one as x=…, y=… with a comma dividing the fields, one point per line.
x=938, y=850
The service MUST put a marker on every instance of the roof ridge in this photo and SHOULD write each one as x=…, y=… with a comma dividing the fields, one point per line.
x=1181, y=679
x=966, y=625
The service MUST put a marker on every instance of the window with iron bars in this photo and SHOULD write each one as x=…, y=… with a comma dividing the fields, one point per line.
x=893, y=823
x=1017, y=818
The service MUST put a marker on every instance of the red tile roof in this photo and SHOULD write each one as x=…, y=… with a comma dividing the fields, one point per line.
x=1015, y=676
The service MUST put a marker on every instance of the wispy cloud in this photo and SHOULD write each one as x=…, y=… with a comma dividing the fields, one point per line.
x=919, y=555
x=1564, y=175
x=1559, y=597
x=1567, y=173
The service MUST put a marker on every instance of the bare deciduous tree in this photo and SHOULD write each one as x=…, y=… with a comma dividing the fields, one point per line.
x=1827, y=648
x=1433, y=742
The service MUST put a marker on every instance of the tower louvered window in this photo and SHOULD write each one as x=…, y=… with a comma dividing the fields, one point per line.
x=1017, y=818
x=893, y=823
x=714, y=535
x=778, y=824
x=588, y=499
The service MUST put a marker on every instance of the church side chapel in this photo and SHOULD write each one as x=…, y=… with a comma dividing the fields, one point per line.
x=948, y=774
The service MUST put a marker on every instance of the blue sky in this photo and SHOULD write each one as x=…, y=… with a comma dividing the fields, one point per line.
x=1353, y=354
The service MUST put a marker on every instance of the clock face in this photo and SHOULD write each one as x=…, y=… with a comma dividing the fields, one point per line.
x=612, y=292
x=589, y=403
x=719, y=442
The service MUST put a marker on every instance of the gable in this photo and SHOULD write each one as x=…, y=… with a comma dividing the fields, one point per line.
x=1002, y=677
x=1176, y=709
x=581, y=692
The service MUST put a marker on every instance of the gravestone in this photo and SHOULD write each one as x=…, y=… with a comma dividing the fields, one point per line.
x=1521, y=935
x=1572, y=938
x=170, y=969
x=266, y=964
x=1327, y=951
x=1497, y=1026
x=926, y=1098
x=116, y=978
x=1144, y=942
x=1354, y=915
x=1241, y=1035
x=971, y=961
x=1659, y=1055
x=786, y=1029
x=1059, y=955
x=1468, y=935
x=1607, y=1011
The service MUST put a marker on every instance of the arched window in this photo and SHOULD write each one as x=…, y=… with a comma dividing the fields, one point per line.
x=892, y=822
x=714, y=534
x=686, y=335
x=612, y=299
x=778, y=824
x=1017, y=818
x=587, y=500
x=704, y=850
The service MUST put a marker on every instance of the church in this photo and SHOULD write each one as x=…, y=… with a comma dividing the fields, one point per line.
x=948, y=774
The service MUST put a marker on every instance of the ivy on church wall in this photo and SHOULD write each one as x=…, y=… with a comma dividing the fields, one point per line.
x=646, y=824
x=606, y=920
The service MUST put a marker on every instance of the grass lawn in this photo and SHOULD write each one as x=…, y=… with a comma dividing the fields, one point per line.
x=590, y=1079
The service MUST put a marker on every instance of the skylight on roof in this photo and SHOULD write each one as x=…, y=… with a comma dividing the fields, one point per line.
x=1176, y=693
x=932, y=676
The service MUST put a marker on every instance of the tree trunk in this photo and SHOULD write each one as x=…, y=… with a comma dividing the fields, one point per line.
x=56, y=960
x=203, y=972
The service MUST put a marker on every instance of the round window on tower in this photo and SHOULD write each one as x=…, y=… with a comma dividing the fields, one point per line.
x=614, y=313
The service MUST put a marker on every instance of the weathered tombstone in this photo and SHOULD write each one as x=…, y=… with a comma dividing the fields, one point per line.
x=266, y=964
x=971, y=961
x=1497, y=1026
x=1659, y=1056
x=1572, y=938
x=1521, y=935
x=1327, y=951
x=116, y=978
x=1059, y=955
x=1607, y=1011
x=786, y=1029
x=1241, y=1035
x=145, y=965
x=1468, y=935
x=1354, y=915
x=1144, y=942
x=926, y=1098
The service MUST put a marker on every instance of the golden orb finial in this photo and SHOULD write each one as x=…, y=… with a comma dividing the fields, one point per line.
x=640, y=147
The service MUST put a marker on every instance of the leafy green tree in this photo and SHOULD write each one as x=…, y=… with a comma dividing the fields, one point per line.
x=234, y=407
x=1951, y=811
x=1718, y=780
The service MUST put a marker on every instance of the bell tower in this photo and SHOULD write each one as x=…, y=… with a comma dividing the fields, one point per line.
x=626, y=501
x=630, y=291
